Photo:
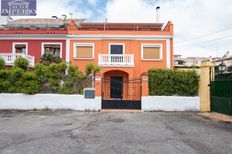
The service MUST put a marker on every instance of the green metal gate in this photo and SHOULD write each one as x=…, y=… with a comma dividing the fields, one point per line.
x=221, y=93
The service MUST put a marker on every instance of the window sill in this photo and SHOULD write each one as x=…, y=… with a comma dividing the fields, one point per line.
x=83, y=58
x=152, y=59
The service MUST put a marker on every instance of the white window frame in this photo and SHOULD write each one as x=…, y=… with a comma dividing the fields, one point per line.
x=81, y=45
x=152, y=45
x=19, y=43
x=49, y=43
x=123, y=47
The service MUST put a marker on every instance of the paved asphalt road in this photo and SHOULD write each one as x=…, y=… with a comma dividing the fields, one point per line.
x=69, y=132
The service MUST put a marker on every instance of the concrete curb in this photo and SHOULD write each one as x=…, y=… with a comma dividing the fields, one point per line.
x=216, y=117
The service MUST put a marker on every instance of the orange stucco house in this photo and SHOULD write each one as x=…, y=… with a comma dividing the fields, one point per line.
x=124, y=51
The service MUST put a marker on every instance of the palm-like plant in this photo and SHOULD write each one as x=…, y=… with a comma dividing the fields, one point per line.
x=91, y=70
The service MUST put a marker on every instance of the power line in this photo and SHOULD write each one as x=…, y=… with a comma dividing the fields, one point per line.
x=220, y=38
x=193, y=44
x=209, y=34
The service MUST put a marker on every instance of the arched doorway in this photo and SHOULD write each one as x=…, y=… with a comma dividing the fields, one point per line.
x=119, y=91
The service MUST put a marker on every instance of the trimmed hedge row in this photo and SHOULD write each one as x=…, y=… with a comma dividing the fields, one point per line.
x=2, y=63
x=43, y=79
x=173, y=82
x=18, y=81
x=53, y=79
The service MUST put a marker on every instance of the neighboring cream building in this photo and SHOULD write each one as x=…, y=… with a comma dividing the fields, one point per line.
x=188, y=62
x=226, y=59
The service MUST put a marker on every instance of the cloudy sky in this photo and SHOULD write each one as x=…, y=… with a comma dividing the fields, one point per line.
x=202, y=27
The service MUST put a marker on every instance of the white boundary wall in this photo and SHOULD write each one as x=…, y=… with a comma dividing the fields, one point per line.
x=51, y=101
x=170, y=103
x=78, y=102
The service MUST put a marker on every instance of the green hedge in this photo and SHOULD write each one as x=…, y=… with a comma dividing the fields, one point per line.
x=18, y=81
x=43, y=79
x=173, y=82
x=50, y=76
x=2, y=63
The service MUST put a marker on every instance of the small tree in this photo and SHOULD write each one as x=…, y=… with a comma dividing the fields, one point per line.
x=91, y=71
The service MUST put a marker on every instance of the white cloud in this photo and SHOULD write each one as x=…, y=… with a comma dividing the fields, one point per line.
x=53, y=7
x=191, y=18
x=92, y=2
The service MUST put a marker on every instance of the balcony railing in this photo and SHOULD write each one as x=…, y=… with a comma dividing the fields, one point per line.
x=116, y=60
x=9, y=58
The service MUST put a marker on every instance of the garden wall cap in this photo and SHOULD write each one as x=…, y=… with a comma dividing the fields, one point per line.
x=207, y=64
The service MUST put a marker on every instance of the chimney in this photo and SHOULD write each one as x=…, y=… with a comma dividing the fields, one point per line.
x=158, y=14
x=54, y=17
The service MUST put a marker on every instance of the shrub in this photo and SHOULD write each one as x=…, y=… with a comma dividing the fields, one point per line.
x=2, y=63
x=46, y=79
x=18, y=81
x=73, y=82
x=48, y=58
x=40, y=72
x=50, y=77
x=10, y=80
x=4, y=81
x=173, y=82
x=22, y=63
x=4, y=74
x=16, y=74
x=30, y=84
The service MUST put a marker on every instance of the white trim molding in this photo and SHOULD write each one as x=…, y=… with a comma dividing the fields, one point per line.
x=118, y=37
x=49, y=43
x=123, y=47
x=16, y=43
x=152, y=45
x=82, y=44
x=33, y=36
x=67, y=51
x=168, y=54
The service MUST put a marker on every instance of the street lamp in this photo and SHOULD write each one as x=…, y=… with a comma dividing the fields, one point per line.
x=222, y=67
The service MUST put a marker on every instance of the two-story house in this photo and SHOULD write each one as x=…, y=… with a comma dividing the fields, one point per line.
x=125, y=52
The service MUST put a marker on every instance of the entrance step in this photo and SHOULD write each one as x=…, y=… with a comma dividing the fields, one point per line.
x=114, y=110
x=121, y=104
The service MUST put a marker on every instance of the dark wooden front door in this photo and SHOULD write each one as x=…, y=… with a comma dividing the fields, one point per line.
x=116, y=86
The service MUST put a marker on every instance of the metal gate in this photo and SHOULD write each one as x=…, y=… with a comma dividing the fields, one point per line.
x=221, y=93
x=126, y=97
